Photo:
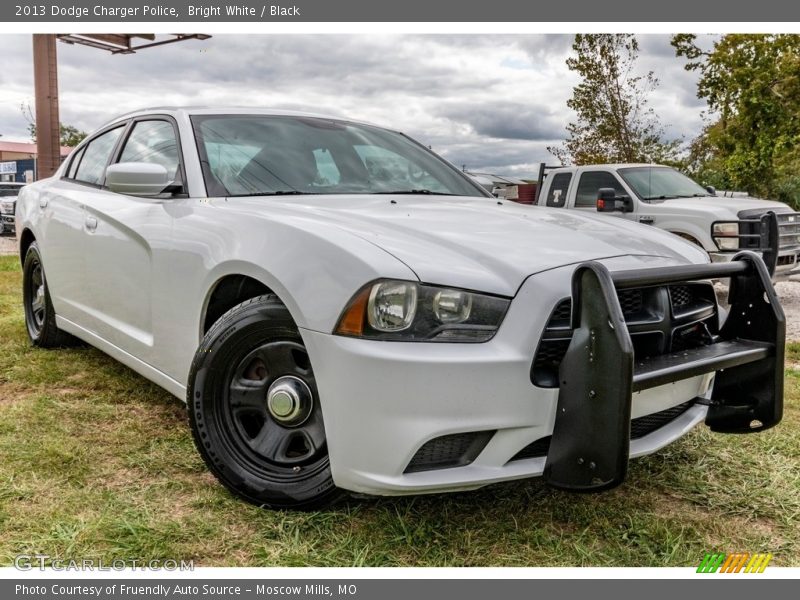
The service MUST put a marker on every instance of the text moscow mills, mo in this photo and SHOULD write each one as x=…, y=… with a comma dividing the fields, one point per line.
x=185, y=590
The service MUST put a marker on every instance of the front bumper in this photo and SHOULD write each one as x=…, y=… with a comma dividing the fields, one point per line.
x=7, y=222
x=774, y=236
x=384, y=401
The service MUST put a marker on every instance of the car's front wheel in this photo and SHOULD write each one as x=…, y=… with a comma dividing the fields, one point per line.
x=255, y=412
x=40, y=317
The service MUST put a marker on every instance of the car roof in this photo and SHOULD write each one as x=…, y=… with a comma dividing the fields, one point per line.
x=183, y=111
x=611, y=166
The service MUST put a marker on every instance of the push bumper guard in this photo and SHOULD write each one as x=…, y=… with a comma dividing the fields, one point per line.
x=770, y=234
x=598, y=375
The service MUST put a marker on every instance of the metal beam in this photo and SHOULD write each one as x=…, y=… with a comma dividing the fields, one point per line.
x=45, y=79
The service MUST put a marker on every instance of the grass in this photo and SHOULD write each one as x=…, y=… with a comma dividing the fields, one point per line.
x=96, y=462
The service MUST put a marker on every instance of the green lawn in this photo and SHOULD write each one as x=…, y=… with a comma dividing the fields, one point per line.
x=97, y=462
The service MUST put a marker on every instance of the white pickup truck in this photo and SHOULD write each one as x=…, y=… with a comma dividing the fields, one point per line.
x=722, y=224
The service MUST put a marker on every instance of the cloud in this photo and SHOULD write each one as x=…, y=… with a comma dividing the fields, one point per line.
x=492, y=102
x=507, y=120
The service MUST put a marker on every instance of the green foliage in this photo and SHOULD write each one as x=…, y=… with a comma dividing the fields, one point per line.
x=752, y=86
x=69, y=135
x=614, y=123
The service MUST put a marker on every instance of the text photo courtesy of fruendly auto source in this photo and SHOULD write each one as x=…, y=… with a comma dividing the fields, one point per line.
x=400, y=300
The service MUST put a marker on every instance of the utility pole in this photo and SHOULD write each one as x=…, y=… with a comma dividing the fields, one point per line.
x=45, y=80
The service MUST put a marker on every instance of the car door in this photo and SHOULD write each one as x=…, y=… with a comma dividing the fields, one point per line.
x=61, y=222
x=127, y=242
x=590, y=182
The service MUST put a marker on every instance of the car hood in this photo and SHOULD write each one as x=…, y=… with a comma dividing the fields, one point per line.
x=721, y=207
x=478, y=243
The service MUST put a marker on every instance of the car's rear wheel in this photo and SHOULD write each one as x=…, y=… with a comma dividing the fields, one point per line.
x=255, y=412
x=40, y=317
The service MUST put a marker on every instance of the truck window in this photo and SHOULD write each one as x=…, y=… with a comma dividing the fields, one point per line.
x=590, y=182
x=557, y=194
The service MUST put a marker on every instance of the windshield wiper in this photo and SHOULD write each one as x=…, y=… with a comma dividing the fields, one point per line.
x=277, y=193
x=675, y=197
x=422, y=192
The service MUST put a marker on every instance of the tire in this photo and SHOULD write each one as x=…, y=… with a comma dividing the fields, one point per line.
x=40, y=317
x=272, y=453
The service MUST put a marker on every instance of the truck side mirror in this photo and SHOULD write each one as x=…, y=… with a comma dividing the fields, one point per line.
x=608, y=201
x=712, y=191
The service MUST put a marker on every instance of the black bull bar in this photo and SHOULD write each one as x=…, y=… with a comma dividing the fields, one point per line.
x=598, y=375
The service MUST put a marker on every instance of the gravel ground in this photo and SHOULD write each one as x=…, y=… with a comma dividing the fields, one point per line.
x=788, y=291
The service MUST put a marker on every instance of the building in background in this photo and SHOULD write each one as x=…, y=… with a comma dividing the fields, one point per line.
x=18, y=161
x=509, y=188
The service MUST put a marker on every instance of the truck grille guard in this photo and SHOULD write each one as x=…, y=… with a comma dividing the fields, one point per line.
x=770, y=234
x=590, y=443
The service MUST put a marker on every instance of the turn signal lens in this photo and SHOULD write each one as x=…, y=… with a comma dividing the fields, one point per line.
x=352, y=321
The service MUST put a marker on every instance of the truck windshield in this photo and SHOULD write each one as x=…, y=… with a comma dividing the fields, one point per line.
x=660, y=183
x=255, y=155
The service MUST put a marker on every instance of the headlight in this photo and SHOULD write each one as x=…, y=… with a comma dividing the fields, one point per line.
x=408, y=311
x=392, y=305
x=7, y=208
x=726, y=235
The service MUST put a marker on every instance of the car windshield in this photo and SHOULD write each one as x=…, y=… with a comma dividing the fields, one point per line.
x=253, y=155
x=7, y=191
x=661, y=183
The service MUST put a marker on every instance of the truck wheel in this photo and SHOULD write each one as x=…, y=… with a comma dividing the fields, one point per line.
x=40, y=318
x=255, y=412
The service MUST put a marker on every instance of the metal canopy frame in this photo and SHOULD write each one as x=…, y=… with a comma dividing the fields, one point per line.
x=122, y=43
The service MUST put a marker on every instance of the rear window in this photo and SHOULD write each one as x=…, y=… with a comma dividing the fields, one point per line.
x=557, y=194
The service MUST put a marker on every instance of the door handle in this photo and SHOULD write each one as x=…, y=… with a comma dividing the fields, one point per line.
x=91, y=224
x=43, y=203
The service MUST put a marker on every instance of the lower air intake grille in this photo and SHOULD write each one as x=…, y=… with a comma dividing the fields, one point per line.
x=681, y=295
x=630, y=301
x=640, y=427
x=447, y=451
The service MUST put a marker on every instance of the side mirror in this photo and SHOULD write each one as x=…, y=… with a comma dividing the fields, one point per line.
x=137, y=178
x=608, y=201
x=712, y=191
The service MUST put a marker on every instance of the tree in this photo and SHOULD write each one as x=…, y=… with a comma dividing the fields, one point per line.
x=752, y=86
x=68, y=135
x=614, y=123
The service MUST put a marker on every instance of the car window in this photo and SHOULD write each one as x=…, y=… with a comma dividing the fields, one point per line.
x=73, y=166
x=92, y=166
x=387, y=166
x=557, y=194
x=661, y=183
x=270, y=154
x=590, y=182
x=327, y=171
x=153, y=142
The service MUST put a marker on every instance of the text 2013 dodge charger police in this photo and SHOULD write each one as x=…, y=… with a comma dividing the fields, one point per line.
x=341, y=309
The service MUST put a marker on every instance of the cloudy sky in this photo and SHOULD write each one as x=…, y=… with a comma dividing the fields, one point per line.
x=493, y=102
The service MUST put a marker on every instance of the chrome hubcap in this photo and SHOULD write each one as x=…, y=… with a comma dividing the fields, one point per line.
x=289, y=401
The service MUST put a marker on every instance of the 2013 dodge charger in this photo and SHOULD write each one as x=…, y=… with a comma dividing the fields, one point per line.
x=341, y=309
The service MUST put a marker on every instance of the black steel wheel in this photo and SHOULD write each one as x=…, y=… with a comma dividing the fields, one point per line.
x=40, y=318
x=255, y=411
